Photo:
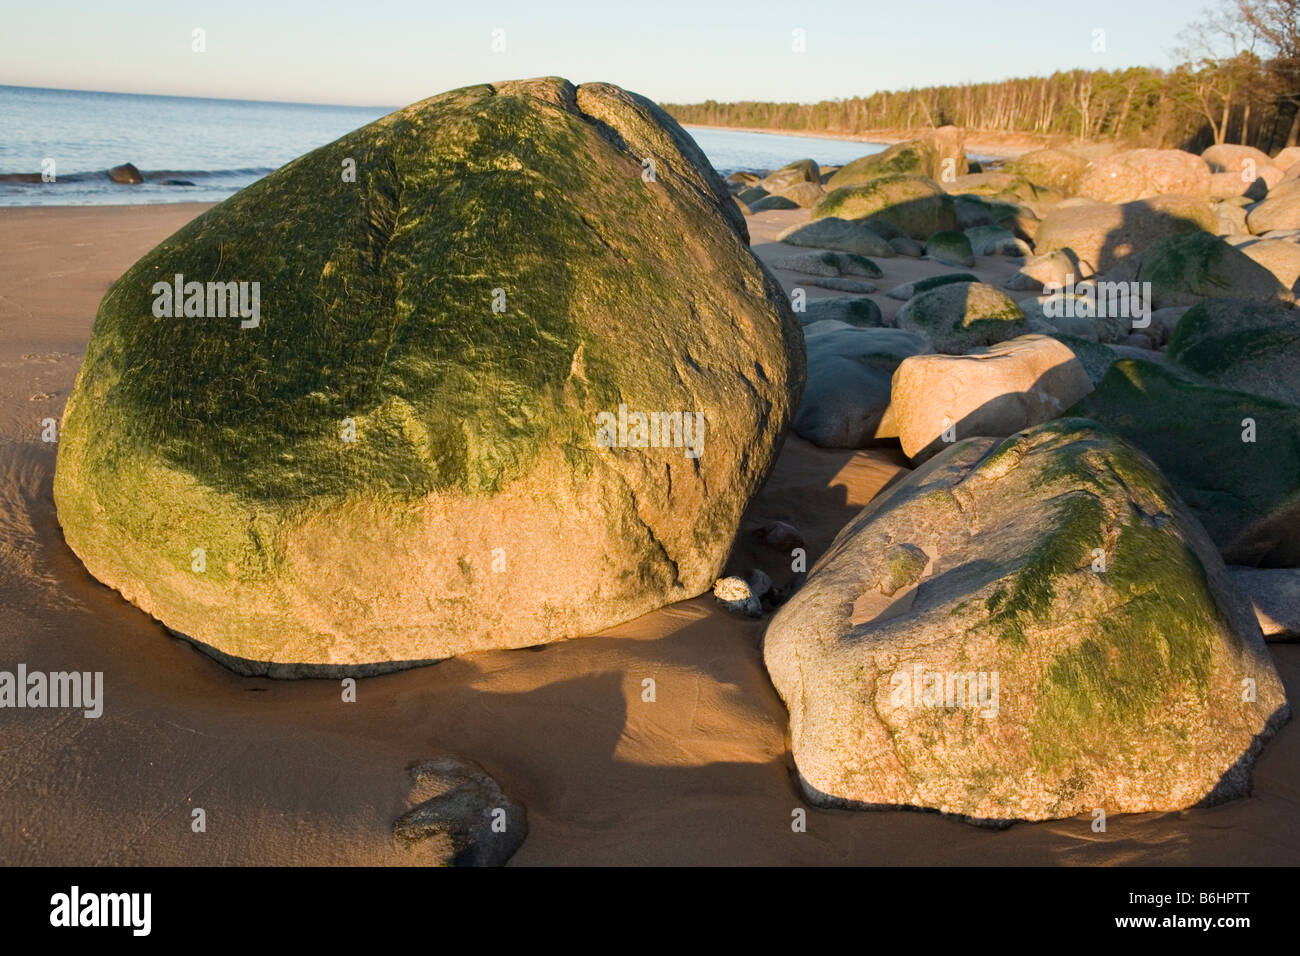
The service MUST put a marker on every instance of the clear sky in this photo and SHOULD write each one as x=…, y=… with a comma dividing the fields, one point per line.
x=392, y=52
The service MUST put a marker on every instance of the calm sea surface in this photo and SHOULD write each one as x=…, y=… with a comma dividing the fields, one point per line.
x=204, y=150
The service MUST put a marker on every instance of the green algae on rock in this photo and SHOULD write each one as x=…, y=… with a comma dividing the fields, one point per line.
x=1074, y=642
x=1246, y=346
x=958, y=316
x=1232, y=456
x=915, y=205
x=507, y=263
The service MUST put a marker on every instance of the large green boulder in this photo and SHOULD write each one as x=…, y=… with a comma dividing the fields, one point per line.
x=1183, y=270
x=959, y=316
x=1246, y=346
x=1029, y=629
x=1233, y=457
x=514, y=381
x=915, y=205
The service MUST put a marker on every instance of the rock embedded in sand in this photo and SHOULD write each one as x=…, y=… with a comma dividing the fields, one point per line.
x=405, y=460
x=848, y=390
x=853, y=310
x=736, y=595
x=1142, y=173
x=906, y=290
x=915, y=205
x=1232, y=456
x=1073, y=642
x=773, y=202
x=936, y=400
x=1103, y=234
x=960, y=316
x=462, y=815
x=832, y=264
x=841, y=235
x=951, y=248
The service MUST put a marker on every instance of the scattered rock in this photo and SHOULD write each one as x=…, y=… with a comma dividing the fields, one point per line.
x=1103, y=234
x=856, y=286
x=951, y=248
x=773, y=202
x=736, y=596
x=1142, y=173
x=996, y=241
x=848, y=388
x=461, y=814
x=850, y=309
x=782, y=536
x=995, y=391
x=829, y=264
x=961, y=316
x=1053, y=268
x=906, y=290
x=1051, y=167
x=913, y=204
x=801, y=171
x=841, y=235
x=1183, y=270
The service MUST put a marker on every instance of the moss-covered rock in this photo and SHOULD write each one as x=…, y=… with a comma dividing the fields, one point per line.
x=854, y=310
x=829, y=264
x=1232, y=456
x=912, y=158
x=915, y=205
x=403, y=460
x=842, y=235
x=1073, y=642
x=1185, y=269
x=1050, y=167
x=801, y=171
x=906, y=290
x=959, y=316
x=773, y=202
x=1246, y=346
x=950, y=247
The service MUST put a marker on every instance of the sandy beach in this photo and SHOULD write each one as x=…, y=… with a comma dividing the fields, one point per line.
x=1000, y=145
x=288, y=773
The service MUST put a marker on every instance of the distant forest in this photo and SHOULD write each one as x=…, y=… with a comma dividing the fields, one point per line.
x=1239, y=82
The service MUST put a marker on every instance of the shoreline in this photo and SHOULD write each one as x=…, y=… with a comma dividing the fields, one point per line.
x=992, y=145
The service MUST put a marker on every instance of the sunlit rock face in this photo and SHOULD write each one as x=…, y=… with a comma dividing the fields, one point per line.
x=1024, y=630
x=503, y=371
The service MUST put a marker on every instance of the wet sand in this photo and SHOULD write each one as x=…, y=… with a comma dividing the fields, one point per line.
x=286, y=772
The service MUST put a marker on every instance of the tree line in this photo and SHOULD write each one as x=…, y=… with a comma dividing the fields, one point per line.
x=1238, y=82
